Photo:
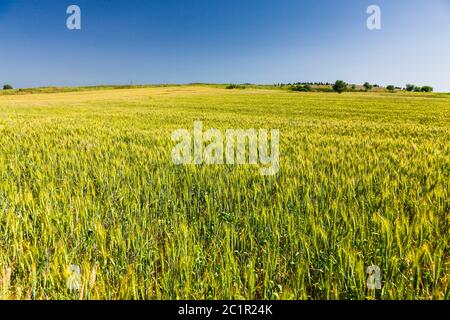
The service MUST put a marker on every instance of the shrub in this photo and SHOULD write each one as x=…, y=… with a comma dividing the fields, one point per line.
x=340, y=86
x=427, y=89
x=235, y=86
x=7, y=87
x=301, y=88
x=367, y=86
x=391, y=88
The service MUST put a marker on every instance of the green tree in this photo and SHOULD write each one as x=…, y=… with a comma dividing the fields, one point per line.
x=427, y=89
x=410, y=87
x=340, y=86
x=7, y=87
x=391, y=88
x=368, y=86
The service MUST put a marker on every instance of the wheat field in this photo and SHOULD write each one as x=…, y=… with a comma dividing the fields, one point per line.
x=87, y=180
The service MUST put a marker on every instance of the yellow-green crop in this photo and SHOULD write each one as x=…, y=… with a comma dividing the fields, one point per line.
x=87, y=179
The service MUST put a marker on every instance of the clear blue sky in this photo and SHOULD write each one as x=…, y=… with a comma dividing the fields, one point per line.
x=223, y=41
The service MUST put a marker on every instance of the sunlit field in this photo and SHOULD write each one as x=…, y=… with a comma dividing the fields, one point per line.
x=87, y=180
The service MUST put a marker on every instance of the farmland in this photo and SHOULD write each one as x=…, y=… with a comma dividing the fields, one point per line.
x=87, y=179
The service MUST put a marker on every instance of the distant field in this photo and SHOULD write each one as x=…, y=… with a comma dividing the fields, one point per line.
x=87, y=179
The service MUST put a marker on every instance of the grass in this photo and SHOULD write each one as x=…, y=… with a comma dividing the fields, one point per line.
x=86, y=179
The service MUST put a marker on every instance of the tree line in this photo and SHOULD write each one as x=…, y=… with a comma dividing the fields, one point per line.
x=341, y=86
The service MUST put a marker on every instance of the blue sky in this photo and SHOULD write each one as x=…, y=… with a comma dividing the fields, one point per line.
x=224, y=41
